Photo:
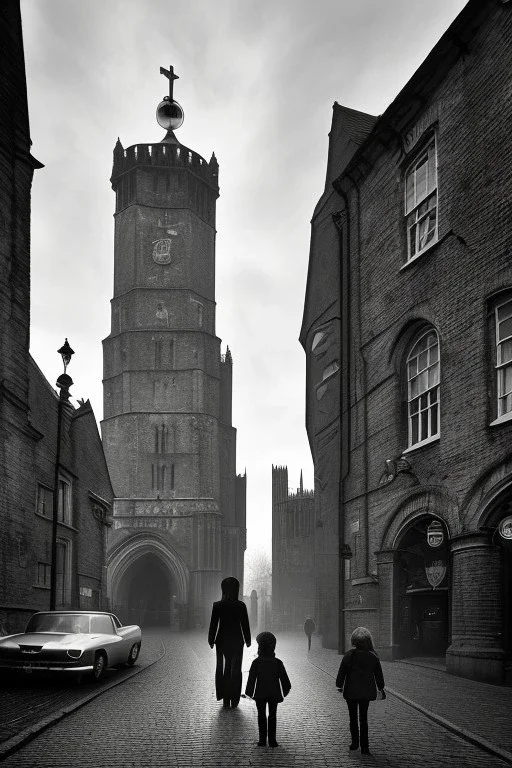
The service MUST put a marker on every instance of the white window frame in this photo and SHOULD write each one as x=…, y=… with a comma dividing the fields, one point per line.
x=503, y=413
x=427, y=398
x=422, y=202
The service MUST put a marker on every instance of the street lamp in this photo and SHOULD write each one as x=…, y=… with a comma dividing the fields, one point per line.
x=63, y=382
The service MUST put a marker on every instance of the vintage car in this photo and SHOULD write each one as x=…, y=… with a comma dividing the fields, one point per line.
x=81, y=642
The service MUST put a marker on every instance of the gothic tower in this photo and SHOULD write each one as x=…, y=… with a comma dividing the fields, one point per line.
x=179, y=513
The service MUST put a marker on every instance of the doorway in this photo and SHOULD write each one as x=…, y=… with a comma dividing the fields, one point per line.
x=145, y=595
x=421, y=591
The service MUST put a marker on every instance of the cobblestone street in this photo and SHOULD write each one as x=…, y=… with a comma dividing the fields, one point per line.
x=168, y=716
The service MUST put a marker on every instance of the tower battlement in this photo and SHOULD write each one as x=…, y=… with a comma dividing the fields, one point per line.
x=163, y=155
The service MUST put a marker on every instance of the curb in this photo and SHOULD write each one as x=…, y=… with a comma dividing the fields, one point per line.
x=27, y=734
x=463, y=733
x=458, y=730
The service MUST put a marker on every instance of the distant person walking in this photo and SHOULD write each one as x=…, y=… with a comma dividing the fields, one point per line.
x=309, y=628
x=359, y=676
x=267, y=684
x=229, y=628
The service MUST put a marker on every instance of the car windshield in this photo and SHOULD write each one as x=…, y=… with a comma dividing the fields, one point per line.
x=59, y=622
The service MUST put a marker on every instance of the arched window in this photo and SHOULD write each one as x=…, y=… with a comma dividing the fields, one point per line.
x=422, y=368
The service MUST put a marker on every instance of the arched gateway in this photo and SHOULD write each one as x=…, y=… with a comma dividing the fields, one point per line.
x=148, y=582
x=415, y=577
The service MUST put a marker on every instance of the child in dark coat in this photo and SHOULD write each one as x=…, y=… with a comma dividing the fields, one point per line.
x=268, y=683
x=359, y=675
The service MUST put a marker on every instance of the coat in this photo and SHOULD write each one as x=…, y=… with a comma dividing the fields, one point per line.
x=360, y=674
x=229, y=625
x=265, y=674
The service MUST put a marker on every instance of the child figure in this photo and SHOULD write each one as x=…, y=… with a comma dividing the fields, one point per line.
x=265, y=674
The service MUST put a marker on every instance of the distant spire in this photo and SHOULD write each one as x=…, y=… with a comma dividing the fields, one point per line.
x=301, y=484
x=229, y=359
x=214, y=167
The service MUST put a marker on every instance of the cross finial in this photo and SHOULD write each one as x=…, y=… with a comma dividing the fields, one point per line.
x=169, y=74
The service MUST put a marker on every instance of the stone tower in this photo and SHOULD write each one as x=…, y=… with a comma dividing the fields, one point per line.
x=293, y=552
x=179, y=513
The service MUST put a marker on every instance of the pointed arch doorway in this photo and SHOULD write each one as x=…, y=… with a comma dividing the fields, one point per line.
x=148, y=584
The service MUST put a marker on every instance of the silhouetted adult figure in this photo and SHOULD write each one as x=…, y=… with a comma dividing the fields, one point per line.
x=309, y=628
x=359, y=675
x=229, y=628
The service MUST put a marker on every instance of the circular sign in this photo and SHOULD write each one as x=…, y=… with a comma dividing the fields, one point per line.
x=505, y=528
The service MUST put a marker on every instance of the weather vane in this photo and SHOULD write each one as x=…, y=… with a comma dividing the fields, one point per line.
x=169, y=114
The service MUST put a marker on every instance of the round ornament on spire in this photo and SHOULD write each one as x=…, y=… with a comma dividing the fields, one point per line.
x=169, y=114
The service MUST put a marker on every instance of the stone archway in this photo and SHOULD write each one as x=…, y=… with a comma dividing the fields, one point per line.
x=148, y=583
x=421, y=579
x=496, y=519
x=412, y=620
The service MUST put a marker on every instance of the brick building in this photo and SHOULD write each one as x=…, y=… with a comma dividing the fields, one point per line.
x=293, y=585
x=407, y=330
x=28, y=405
x=179, y=513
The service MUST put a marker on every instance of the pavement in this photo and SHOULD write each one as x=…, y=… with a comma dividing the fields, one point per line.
x=164, y=713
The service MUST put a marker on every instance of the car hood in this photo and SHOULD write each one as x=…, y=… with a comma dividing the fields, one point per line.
x=58, y=639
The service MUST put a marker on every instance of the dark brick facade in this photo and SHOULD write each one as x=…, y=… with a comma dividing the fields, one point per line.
x=28, y=405
x=180, y=507
x=293, y=583
x=461, y=475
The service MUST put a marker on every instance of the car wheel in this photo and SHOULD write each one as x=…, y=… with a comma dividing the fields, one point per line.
x=99, y=666
x=133, y=655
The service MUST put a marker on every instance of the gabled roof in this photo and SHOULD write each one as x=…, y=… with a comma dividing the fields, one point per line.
x=411, y=100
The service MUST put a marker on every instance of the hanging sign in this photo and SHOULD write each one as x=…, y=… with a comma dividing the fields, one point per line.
x=436, y=572
x=505, y=528
x=435, y=534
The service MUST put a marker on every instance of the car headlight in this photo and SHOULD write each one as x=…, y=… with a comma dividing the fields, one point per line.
x=74, y=653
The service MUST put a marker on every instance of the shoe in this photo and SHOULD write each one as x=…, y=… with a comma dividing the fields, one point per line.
x=365, y=751
x=273, y=744
x=262, y=743
x=225, y=704
x=234, y=704
x=354, y=746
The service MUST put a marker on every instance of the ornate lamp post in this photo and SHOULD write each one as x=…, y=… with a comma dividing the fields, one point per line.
x=63, y=382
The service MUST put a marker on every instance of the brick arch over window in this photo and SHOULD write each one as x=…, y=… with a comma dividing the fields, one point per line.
x=142, y=544
x=412, y=327
x=486, y=494
x=429, y=501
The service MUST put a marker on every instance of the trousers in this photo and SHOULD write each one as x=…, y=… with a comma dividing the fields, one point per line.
x=358, y=730
x=265, y=727
x=228, y=674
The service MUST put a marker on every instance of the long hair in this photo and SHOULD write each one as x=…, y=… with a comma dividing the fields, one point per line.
x=361, y=639
x=230, y=587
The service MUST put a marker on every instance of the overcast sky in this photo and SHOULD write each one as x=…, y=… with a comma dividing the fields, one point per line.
x=257, y=82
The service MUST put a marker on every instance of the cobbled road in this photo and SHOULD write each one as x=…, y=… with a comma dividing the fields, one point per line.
x=168, y=716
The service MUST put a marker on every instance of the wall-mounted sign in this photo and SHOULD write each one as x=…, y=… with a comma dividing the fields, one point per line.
x=435, y=533
x=436, y=572
x=505, y=528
